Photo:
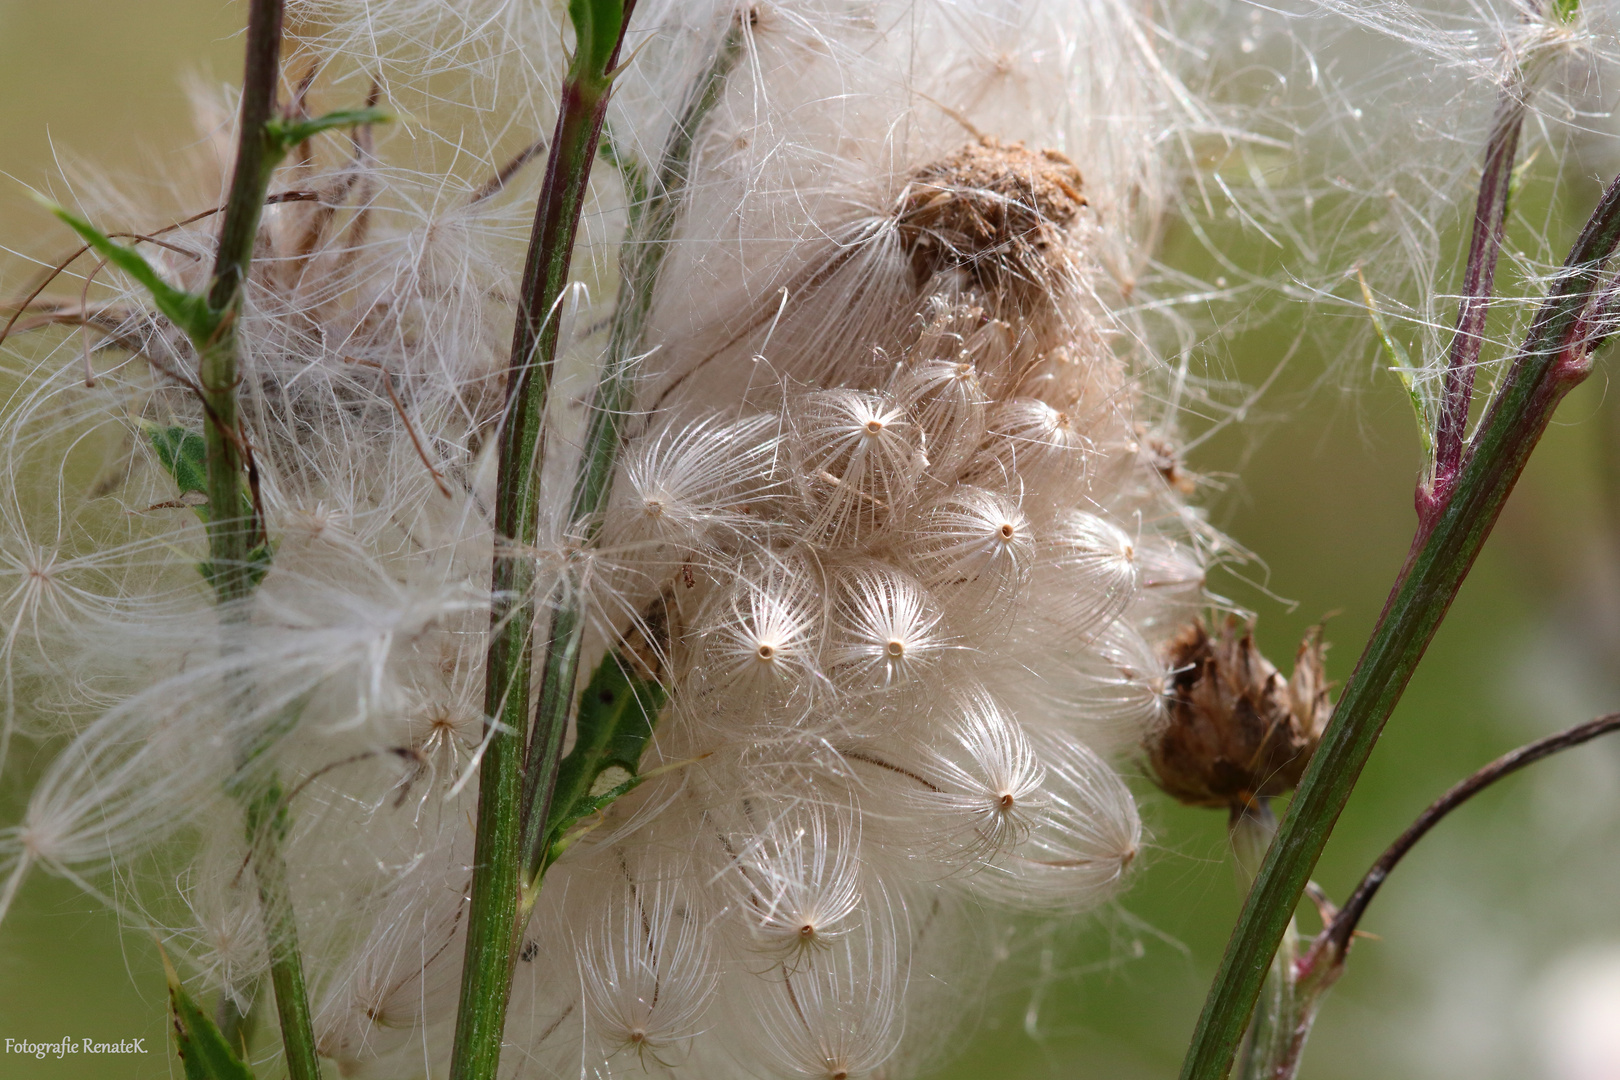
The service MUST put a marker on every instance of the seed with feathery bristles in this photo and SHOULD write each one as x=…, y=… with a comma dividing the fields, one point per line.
x=689, y=484
x=886, y=629
x=1080, y=842
x=759, y=638
x=857, y=457
x=971, y=547
x=950, y=403
x=1107, y=686
x=836, y=1017
x=648, y=971
x=1085, y=575
x=1046, y=449
x=402, y=975
x=981, y=785
x=795, y=879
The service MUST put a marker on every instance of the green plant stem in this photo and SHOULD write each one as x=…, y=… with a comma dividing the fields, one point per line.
x=238, y=551
x=1250, y=830
x=1555, y=356
x=492, y=924
x=267, y=825
x=231, y=535
x=652, y=217
x=1271, y=1027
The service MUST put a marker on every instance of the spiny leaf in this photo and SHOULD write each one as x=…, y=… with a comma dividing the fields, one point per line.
x=189, y=311
x=1566, y=10
x=1401, y=365
x=288, y=133
x=613, y=726
x=203, y=1050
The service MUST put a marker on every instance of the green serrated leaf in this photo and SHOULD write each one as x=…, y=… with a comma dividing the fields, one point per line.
x=184, y=455
x=286, y=134
x=615, y=722
x=1566, y=10
x=1401, y=365
x=204, y=1052
x=189, y=311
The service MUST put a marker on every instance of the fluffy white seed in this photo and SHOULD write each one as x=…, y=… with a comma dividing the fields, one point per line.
x=1044, y=448
x=886, y=630
x=972, y=547
x=648, y=973
x=949, y=400
x=1083, y=839
x=836, y=1017
x=795, y=879
x=759, y=641
x=857, y=458
x=978, y=790
x=1086, y=575
x=689, y=484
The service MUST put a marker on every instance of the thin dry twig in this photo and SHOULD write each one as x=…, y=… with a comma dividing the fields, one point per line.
x=495, y=184
x=1338, y=933
x=404, y=418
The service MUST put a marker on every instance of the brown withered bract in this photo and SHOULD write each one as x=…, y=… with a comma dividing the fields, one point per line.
x=1237, y=729
x=996, y=210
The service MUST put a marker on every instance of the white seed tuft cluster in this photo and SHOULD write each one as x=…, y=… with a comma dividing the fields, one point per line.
x=894, y=525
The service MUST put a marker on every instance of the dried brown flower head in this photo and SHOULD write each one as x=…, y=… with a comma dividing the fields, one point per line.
x=1237, y=730
x=996, y=210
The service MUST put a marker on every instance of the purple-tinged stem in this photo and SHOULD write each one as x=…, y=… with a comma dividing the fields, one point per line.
x=1311, y=975
x=1479, y=278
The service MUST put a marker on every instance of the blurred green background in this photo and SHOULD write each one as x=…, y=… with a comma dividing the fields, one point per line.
x=1498, y=944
